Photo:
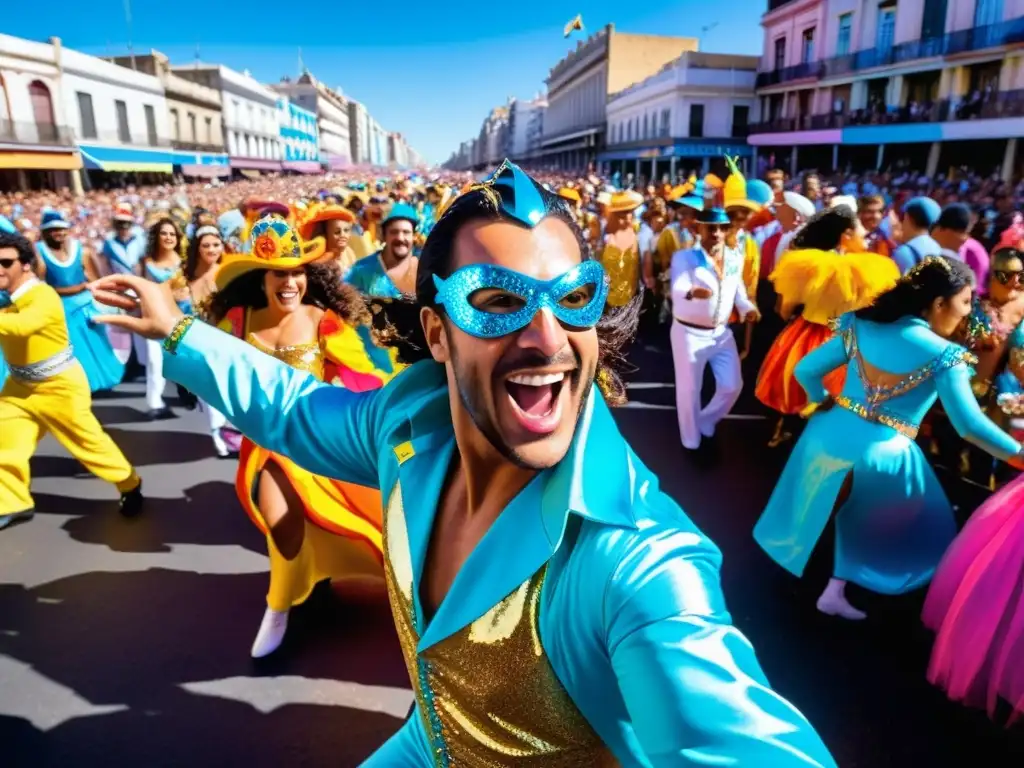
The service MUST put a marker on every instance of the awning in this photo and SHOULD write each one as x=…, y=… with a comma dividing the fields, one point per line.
x=127, y=159
x=205, y=171
x=255, y=163
x=302, y=166
x=250, y=174
x=41, y=161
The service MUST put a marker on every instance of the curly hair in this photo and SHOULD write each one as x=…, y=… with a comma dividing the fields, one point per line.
x=935, y=277
x=192, y=255
x=324, y=289
x=825, y=229
x=22, y=245
x=396, y=322
x=153, y=237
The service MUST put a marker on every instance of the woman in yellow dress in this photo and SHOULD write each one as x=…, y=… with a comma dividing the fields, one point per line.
x=334, y=224
x=826, y=274
x=620, y=252
x=280, y=301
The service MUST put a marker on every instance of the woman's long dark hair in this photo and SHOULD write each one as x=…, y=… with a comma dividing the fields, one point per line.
x=324, y=289
x=397, y=322
x=192, y=255
x=153, y=237
x=937, y=277
x=824, y=230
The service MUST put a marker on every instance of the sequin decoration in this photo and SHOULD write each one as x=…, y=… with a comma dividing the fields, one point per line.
x=488, y=695
x=878, y=416
x=305, y=357
x=456, y=291
x=623, y=268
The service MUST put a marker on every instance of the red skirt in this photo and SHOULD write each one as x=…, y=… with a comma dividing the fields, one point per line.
x=777, y=387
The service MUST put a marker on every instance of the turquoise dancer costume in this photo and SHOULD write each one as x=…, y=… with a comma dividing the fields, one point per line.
x=368, y=275
x=5, y=298
x=90, y=342
x=896, y=524
x=587, y=627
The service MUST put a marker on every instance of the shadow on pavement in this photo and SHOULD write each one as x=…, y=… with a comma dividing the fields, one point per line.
x=154, y=631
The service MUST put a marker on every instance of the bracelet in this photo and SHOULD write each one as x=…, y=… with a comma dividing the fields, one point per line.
x=178, y=333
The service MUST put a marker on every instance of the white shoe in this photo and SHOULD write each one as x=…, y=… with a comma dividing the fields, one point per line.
x=833, y=605
x=271, y=634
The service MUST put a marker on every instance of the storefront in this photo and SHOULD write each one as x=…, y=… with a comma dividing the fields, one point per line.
x=674, y=161
x=302, y=166
x=198, y=165
x=118, y=166
x=38, y=168
x=254, y=167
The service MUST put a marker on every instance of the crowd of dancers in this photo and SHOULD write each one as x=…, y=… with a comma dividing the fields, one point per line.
x=315, y=333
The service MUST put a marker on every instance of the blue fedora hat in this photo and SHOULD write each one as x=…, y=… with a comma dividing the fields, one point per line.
x=53, y=220
x=713, y=216
x=692, y=199
x=402, y=212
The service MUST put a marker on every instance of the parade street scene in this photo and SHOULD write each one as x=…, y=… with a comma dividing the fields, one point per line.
x=646, y=389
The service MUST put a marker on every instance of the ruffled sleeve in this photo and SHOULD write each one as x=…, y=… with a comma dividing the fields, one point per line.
x=234, y=322
x=829, y=284
x=353, y=360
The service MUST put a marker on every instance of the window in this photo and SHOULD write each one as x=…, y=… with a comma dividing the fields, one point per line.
x=780, y=53
x=150, y=125
x=988, y=12
x=740, y=121
x=844, y=34
x=124, y=135
x=696, y=121
x=645, y=133
x=807, y=46
x=886, y=29
x=192, y=127
x=87, y=117
x=666, y=123
x=175, y=125
x=209, y=130
x=933, y=19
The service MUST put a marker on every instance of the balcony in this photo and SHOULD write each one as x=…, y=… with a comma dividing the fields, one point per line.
x=46, y=134
x=964, y=41
x=973, y=107
x=132, y=140
x=193, y=146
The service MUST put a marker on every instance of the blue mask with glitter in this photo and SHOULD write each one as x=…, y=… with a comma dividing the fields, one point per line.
x=576, y=298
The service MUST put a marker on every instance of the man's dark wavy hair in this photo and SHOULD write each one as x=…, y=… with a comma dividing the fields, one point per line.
x=22, y=245
x=397, y=322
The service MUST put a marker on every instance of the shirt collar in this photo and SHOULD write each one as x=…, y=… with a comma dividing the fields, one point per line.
x=24, y=288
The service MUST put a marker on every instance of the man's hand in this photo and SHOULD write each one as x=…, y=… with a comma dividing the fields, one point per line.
x=753, y=316
x=700, y=292
x=156, y=312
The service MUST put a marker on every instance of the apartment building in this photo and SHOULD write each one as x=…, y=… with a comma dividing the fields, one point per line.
x=930, y=84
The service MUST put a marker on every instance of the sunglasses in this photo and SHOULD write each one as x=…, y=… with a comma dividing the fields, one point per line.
x=1006, y=276
x=8, y=263
x=717, y=227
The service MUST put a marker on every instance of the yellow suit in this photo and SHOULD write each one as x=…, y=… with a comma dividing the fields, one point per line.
x=47, y=392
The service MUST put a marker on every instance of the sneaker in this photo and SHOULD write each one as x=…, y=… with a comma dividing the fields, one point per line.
x=271, y=633
x=131, y=501
x=16, y=517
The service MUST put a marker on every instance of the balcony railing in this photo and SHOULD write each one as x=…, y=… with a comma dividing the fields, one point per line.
x=133, y=140
x=48, y=134
x=192, y=146
x=972, y=107
x=964, y=41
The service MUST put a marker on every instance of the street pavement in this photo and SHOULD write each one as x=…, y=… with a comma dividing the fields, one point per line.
x=126, y=642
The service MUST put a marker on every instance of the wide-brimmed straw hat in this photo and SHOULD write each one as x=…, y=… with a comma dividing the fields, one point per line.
x=624, y=202
x=317, y=213
x=273, y=244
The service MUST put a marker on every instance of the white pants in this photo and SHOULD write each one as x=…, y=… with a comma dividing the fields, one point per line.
x=141, y=346
x=692, y=350
x=155, y=382
x=214, y=418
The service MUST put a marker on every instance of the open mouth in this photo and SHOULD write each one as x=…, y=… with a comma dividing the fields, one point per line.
x=536, y=400
x=287, y=297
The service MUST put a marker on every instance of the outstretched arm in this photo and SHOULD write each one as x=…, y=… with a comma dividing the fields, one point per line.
x=694, y=690
x=967, y=418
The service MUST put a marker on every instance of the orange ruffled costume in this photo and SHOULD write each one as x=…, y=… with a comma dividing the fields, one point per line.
x=343, y=520
x=827, y=284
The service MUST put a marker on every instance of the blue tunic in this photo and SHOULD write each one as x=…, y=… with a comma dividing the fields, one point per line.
x=896, y=524
x=90, y=341
x=369, y=277
x=632, y=616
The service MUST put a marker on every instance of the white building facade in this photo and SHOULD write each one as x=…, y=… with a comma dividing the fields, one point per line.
x=37, y=142
x=300, y=137
x=331, y=108
x=685, y=118
x=526, y=129
x=252, y=134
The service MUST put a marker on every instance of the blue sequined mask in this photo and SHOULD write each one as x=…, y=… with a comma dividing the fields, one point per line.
x=576, y=298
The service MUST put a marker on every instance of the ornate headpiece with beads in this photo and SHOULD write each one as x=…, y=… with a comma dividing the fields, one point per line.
x=918, y=268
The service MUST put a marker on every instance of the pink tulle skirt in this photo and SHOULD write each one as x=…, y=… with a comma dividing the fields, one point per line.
x=976, y=607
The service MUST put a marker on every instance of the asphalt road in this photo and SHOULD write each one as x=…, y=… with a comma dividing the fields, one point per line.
x=125, y=643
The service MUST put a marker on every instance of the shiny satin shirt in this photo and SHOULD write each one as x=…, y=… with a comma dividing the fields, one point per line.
x=592, y=586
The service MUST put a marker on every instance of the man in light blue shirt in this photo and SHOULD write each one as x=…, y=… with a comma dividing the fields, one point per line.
x=919, y=216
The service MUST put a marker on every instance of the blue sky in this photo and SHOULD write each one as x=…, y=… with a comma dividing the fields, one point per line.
x=430, y=70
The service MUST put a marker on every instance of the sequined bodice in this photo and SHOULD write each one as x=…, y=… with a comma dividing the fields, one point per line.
x=488, y=695
x=305, y=357
x=623, y=268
